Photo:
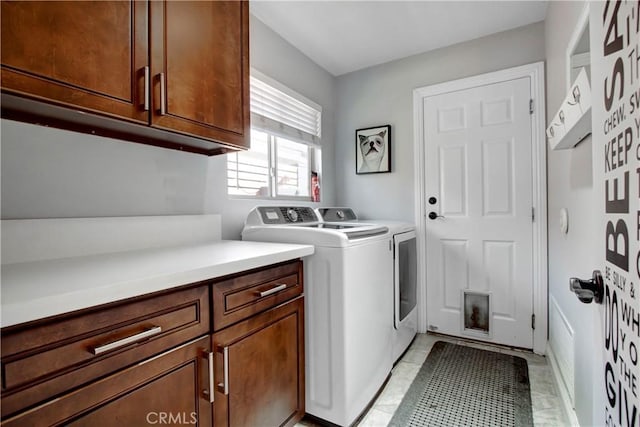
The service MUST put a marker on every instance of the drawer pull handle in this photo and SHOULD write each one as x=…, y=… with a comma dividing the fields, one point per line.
x=273, y=290
x=225, y=363
x=210, y=392
x=128, y=340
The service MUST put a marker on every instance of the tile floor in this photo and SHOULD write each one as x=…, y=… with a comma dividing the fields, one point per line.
x=546, y=402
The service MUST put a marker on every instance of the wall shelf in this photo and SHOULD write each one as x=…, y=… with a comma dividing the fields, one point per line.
x=572, y=122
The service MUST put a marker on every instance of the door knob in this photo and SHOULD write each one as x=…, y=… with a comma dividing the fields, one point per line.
x=588, y=290
x=433, y=215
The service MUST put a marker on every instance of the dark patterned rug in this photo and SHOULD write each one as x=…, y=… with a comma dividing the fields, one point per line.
x=465, y=386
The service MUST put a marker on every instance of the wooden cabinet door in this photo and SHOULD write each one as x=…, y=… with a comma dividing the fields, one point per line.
x=260, y=369
x=89, y=55
x=200, y=69
x=170, y=389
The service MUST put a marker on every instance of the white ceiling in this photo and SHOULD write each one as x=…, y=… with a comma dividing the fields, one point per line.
x=344, y=36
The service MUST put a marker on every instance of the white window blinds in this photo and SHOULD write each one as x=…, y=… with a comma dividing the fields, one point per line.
x=279, y=110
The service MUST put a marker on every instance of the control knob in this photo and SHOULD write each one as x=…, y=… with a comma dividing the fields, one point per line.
x=292, y=215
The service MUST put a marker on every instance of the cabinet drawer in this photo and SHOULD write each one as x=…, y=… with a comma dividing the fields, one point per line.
x=172, y=383
x=44, y=359
x=240, y=297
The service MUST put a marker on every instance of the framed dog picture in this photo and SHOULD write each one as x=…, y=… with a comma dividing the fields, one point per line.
x=373, y=150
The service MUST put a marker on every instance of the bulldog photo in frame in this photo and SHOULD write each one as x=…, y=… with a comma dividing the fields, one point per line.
x=373, y=150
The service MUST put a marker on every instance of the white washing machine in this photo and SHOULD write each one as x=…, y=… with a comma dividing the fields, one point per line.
x=347, y=310
x=405, y=271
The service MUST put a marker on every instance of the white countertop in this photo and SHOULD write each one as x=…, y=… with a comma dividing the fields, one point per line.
x=39, y=289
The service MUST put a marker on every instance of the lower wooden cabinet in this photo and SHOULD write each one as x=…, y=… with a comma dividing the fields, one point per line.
x=165, y=359
x=169, y=389
x=48, y=359
x=260, y=369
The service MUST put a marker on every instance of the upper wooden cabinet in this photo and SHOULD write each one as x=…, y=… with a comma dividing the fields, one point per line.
x=177, y=69
x=89, y=55
x=200, y=48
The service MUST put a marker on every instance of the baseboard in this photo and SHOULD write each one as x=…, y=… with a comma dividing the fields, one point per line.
x=562, y=389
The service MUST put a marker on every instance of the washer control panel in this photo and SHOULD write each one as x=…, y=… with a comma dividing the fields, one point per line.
x=287, y=214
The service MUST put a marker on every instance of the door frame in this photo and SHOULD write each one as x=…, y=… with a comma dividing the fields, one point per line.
x=535, y=72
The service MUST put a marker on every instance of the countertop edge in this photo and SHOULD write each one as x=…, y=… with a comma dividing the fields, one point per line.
x=41, y=308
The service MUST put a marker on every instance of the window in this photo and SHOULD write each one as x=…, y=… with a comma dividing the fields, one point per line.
x=285, y=148
x=274, y=167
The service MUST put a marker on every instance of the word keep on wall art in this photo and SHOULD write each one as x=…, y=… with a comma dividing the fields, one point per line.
x=615, y=53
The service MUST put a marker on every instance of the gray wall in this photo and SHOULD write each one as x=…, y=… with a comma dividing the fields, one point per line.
x=570, y=185
x=384, y=95
x=49, y=173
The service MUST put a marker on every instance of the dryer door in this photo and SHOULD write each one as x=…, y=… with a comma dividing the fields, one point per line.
x=405, y=272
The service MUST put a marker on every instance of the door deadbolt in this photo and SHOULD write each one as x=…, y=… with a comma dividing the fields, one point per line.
x=433, y=200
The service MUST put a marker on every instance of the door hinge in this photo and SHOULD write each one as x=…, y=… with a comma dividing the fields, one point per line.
x=531, y=106
x=533, y=321
x=533, y=214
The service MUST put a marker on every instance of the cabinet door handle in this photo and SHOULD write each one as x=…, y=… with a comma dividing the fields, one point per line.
x=163, y=95
x=225, y=366
x=210, y=393
x=128, y=340
x=146, y=88
x=273, y=290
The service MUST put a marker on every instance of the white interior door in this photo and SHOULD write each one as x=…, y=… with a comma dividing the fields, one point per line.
x=478, y=180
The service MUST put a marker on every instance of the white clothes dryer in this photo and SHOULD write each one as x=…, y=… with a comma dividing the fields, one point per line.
x=404, y=288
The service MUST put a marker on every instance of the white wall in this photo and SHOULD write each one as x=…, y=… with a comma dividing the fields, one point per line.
x=570, y=185
x=384, y=95
x=48, y=173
